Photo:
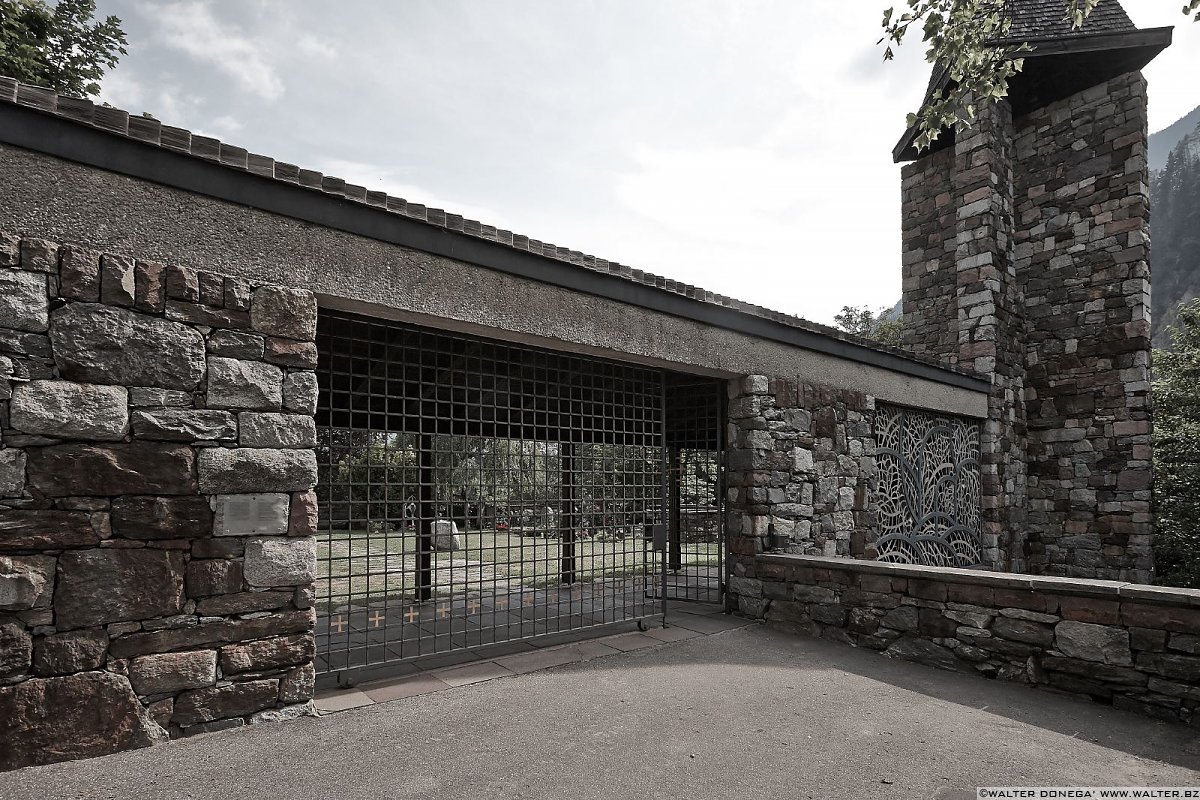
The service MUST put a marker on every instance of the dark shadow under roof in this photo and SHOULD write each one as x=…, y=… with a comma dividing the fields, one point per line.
x=1065, y=60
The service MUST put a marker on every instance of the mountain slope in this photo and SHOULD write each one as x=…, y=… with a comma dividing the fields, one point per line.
x=1175, y=257
x=1164, y=141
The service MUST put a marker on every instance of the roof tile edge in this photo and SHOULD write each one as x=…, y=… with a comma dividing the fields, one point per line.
x=150, y=131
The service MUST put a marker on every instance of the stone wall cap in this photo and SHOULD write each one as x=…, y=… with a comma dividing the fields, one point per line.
x=216, y=152
x=1123, y=590
x=1161, y=595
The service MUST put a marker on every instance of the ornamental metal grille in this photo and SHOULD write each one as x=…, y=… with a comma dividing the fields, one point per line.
x=927, y=496
x=474, y=492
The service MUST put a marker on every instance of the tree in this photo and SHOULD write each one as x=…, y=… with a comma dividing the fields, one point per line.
x=969, y=39
x=861, y=321
x=1177, y=452
x=61, y=48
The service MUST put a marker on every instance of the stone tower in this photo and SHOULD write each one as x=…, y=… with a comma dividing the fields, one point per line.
x=1026, y=258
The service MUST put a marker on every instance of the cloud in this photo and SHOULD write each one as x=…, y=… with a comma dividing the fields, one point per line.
x=165, y=101
x=312, y=46
x=191, y=27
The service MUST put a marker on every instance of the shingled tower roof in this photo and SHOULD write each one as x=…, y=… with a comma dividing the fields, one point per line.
x=1064, y=60
x=1047, y=19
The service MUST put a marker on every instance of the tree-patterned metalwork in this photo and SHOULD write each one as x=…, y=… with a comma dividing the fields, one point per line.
x=927, y=497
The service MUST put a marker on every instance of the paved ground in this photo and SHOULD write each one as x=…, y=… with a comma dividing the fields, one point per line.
x=746, y=713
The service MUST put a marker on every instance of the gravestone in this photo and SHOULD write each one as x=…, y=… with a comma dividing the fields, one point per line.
x=445, y=535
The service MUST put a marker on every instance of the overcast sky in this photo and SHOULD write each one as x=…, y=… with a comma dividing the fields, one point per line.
x=740, y=146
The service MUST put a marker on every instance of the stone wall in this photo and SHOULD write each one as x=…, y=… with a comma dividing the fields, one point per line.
x=803, y=476
x=800, y=463
x=1025, y=253
x=1133, y=646
x=157, y=518
x=1082, y=248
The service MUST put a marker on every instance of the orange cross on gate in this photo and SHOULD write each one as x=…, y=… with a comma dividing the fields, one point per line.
x=443, y=610
x=473, y=606
x=338, y=623
x=376, y=619
x=412, y=614
x=501, y=603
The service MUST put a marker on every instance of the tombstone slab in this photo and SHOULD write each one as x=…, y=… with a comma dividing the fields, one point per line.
x=445, y=535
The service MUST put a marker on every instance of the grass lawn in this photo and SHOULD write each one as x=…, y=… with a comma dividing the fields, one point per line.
x=358, y=564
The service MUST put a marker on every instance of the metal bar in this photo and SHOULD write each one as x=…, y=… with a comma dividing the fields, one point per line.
x=427, y=518
x=569, y=500
x=675, y=479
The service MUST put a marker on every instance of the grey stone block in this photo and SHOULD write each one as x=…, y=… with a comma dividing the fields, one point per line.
x=24, y=302
x=276, y=430
x=185, y=425
x=279, y=311
x=300, y=393
x=235, y=383
x=12, y=472
x=102, y=344
x=96, y=587
x=26, y=582
x=168, y=673
x=1088, y=642
x=148, y=396
x=66, y=410
x=236, y=471
x=67, y=653
x=280, y=561
x=235, y=344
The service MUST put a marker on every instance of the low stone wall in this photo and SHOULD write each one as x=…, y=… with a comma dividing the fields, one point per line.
x=1134, y=646
x=156, y=506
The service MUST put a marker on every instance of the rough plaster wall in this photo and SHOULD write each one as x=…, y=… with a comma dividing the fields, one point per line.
x=55, y=198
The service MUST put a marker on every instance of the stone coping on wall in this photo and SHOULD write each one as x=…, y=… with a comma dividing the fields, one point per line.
x=1118, y=590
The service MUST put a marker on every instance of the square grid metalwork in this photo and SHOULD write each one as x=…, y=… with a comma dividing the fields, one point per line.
x=474, y=492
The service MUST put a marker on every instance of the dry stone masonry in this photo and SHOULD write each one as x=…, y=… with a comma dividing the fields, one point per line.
x=157, y=517
x=820, y=471
x=1135, y=647
x=1026, y=248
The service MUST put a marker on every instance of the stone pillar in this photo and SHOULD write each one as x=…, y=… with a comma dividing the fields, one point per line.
x=800, y=472
x=157, y=550
x=1025, y=258
x=962, y=302
x=1082, y=251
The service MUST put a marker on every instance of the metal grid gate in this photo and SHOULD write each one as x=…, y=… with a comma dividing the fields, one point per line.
x=695, y=519
x=474, y=492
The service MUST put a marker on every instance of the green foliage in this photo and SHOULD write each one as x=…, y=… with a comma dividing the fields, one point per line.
x=861, y=321
x=60, y=47
x=1177, y=452
x=967, y=39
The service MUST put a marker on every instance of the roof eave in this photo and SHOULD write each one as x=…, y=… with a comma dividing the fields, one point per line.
x=1146, y=43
